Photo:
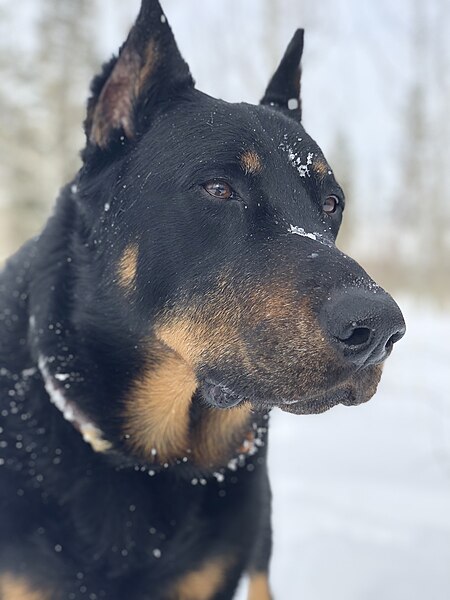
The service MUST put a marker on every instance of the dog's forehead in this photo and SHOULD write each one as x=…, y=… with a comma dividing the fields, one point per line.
x=293, y=144
x=261, y=137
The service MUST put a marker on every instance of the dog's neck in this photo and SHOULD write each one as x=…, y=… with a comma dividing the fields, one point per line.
x=216, y=438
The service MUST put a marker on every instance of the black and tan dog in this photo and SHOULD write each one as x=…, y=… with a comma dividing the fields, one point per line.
x=187, y=283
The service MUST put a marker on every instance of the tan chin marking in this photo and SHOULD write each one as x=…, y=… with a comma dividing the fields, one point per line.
x=157, y=418
x=210, y=334
x=259, y=588
x=219, y=434
x=127, y=268
x=193, y=339
x=251, y=162
x=203, y=583
x=14, y=588
x=184, y=337
x=157, y=411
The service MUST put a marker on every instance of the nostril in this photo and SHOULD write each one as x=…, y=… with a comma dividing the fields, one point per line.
x=358, y=337
x=393, y=339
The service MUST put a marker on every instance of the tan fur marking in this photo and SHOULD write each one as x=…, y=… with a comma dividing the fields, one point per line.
x=251, y=162
x=259, y=588
x=282, y=319
x=184, y=337
x=289, y=352
x=157, y=414
x=157, y=417
x=13, y=588
x=202, y=584
x=128, y=267
x=219, y=432
x=321, y=167
x=193, y=339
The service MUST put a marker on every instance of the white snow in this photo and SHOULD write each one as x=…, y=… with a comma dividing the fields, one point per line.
x=362, y=494
x=295, y=157
x=62, y=376
x=90, y=433
x=300, y=231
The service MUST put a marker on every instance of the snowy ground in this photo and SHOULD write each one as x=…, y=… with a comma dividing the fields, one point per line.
x=362, y=494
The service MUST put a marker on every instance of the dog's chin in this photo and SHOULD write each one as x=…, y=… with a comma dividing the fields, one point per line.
x=322, y=403
x=358, y=390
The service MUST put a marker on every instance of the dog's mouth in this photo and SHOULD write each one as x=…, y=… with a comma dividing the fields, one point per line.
x=354, y=392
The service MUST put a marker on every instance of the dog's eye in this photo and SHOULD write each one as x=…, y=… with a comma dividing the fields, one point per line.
x=219, y=189
x=330, y=204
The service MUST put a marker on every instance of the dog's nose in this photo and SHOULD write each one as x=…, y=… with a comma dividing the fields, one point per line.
x=363, y=325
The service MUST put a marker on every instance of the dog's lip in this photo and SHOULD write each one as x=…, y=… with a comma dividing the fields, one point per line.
x=322, y=402
x=219, y=395
x=222, y=396
x=315, y=405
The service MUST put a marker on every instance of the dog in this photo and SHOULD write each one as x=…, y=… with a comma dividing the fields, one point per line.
x=186, y=284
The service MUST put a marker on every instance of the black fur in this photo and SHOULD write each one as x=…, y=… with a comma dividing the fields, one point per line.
x=122, y=523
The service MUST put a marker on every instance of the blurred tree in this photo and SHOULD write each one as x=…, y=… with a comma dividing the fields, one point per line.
x=42, y=107
x=410, y=206
x=440, y=133
x=66, y=57
x=422, y=207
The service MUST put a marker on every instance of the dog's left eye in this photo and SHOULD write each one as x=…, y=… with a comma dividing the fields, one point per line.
x=219, y=189
x=330, y=204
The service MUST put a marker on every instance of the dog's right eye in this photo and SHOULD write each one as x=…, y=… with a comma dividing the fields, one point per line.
x=219, y=189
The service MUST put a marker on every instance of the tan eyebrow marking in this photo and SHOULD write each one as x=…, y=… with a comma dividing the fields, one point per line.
x=321, y=167
x=128, y=266
x=251, y=162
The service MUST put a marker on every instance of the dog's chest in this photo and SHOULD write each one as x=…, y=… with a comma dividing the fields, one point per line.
x=115, y=545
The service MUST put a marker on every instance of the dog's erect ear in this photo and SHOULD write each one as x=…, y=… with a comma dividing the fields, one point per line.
x=283, y=90
x=149, y=67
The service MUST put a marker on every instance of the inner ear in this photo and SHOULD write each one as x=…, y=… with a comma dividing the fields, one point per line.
x=149, y=67
x=284, y=88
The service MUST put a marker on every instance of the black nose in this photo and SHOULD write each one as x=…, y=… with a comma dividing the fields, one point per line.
x=363, y=325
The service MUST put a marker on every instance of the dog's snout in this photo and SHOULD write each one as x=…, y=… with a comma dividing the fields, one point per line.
x=363, y=325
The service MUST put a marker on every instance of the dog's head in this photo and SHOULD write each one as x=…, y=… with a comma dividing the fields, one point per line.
x=209, y=230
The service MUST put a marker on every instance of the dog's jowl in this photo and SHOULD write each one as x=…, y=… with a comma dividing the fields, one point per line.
x=187, y=283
